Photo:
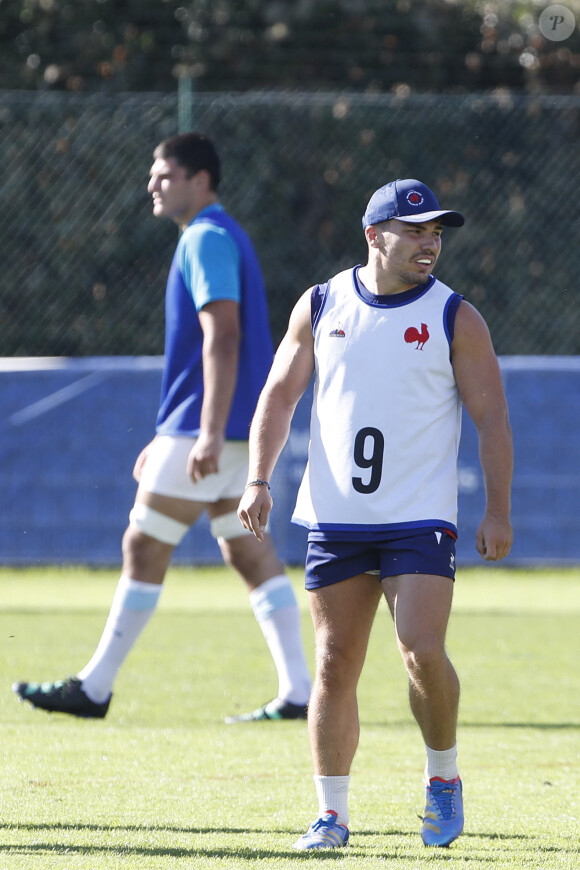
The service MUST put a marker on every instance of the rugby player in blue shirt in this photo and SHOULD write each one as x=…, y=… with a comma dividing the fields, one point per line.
x=218, y=352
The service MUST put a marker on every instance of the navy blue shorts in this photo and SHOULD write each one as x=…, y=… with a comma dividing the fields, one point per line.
x=417, y=551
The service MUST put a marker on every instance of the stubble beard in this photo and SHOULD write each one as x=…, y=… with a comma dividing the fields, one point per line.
x=415, y=278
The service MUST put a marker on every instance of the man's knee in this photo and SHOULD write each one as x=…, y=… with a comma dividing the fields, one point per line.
x=256, y=561
x=337, y=663
x=144, y=557
x=137, y=544
x=424, y=655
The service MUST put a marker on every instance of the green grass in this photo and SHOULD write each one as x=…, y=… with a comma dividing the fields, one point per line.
x=162, y=783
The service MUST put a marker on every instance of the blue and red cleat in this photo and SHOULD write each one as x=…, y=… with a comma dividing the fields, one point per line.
x=324, y=833
x=443, y=819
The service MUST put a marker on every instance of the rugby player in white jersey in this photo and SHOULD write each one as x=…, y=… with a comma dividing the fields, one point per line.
x=396, y=353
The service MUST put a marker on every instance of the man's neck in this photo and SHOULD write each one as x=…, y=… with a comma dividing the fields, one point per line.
x=183, y=221
x=381, y=284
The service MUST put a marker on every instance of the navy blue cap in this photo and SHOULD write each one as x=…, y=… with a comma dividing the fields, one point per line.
x=410, y=201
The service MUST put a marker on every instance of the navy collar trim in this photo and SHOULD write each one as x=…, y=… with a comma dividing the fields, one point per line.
x=393, y=300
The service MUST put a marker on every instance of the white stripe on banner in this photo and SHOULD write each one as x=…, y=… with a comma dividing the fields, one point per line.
x=49, y=403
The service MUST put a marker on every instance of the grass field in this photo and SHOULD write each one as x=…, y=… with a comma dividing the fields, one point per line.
x=162, y=783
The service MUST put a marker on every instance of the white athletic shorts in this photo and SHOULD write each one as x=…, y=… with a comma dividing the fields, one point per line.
x=165, y=471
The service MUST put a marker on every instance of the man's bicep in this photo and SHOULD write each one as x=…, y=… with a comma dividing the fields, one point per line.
x=475, y=364
x=220, y=319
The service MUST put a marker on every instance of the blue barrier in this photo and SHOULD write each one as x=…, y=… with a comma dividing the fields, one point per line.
x=71, y=430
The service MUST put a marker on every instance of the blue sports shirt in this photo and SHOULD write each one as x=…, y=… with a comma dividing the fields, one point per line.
x=214, y=259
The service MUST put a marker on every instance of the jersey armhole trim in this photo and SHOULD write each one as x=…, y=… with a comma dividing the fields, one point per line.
x=449, y=315
x=317, y=300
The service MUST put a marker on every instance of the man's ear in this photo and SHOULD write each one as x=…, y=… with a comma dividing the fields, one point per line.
x=371, y=236
x=202, y=180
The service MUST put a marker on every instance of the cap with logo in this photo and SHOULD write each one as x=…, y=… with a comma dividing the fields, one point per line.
x=408, y=200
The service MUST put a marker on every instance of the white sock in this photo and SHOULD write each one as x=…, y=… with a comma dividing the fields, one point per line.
x=332, y=794
x=133, y=605
x=442, y=764
x=276, y=610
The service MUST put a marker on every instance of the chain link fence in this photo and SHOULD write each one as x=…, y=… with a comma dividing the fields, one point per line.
x=84, y=262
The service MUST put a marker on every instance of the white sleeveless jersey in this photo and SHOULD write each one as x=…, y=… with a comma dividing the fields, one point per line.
x=386, y=414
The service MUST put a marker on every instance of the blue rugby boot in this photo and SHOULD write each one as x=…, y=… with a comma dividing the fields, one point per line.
x=443, y=819
x=324, y=833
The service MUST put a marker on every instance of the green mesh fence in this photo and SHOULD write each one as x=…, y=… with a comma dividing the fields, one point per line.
x=84, y=262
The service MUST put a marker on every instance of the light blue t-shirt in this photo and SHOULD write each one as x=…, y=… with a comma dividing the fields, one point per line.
x=209, y=261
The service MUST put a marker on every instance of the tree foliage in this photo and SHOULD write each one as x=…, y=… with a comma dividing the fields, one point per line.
x=370, y=46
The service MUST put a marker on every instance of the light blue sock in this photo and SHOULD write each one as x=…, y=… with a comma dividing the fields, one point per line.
x=276, y=610
x=133, y=606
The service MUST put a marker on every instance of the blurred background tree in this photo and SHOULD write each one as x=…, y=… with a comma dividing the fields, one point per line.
x=368, y=46
x=312, y=103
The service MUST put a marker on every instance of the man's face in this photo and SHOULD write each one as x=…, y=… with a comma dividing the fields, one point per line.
x=408, y=252
x=173, y=191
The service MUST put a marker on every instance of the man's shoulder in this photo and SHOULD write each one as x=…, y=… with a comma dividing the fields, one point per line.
x=204, y=225
x=217, y=219
x=340, y=281
x=320, y=293
x=442, y=289
x=206, y=236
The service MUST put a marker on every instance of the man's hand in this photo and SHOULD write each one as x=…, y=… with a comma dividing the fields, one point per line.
x=254, y=510
x=204, y=456
x=494, y=538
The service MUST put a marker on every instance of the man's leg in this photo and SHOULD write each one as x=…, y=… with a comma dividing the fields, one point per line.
x=157, y=525
x=420, y=605
x=342, y=616
x=276, y=610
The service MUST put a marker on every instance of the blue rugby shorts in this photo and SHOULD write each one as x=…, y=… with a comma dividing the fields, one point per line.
x=415, y=551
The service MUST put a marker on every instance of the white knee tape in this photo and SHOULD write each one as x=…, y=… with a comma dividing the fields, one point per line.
x=227, y=526
x=157, y=525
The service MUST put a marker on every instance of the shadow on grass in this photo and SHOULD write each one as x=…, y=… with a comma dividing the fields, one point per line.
x=103, y=829
x=172, y=829
x=242, y=853
x=540, y=726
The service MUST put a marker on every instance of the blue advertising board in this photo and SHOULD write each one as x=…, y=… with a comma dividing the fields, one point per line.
x=71, y=429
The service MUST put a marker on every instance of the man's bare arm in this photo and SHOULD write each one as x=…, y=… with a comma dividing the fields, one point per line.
x=221, y=339
x=480, y=384
x=289, y=376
